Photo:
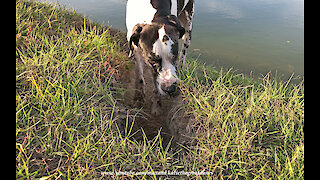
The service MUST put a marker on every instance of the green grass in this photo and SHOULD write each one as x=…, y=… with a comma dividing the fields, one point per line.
x=66, y=108
x=246, y=129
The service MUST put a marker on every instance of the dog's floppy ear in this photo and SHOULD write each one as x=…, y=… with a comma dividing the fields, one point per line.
x=175, y=22
x=135, y=36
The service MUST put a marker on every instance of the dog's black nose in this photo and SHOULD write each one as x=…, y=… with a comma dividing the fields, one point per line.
x=171, y=89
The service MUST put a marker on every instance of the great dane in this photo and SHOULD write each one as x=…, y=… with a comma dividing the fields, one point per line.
x=153, y=30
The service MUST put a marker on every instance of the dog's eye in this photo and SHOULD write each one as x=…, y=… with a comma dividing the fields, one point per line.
x=165, y=38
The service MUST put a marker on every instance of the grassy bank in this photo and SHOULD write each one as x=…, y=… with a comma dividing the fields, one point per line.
x=66, y=106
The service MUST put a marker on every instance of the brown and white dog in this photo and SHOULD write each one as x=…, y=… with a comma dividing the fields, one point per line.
x=153, y=30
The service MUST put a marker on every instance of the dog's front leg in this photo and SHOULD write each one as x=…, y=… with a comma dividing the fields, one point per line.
x=156, y=104
x=140, y=82
x=185, y=18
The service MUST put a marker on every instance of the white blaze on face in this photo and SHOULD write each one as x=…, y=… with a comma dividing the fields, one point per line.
x=167, y=76
x=163, y=49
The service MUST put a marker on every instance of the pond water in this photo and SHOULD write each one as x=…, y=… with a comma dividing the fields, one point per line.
x=252, y=36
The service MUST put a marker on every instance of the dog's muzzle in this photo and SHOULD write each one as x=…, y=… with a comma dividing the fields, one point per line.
x=172, y=90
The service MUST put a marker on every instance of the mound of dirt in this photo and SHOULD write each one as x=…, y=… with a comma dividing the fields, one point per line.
x=172, y=119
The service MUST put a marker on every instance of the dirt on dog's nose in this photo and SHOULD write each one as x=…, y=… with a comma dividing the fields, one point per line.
x=171, y=90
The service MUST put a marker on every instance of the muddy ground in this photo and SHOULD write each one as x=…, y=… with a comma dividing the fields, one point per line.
x=172, y=119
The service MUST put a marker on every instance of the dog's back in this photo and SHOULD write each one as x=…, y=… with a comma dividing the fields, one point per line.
x=138, y=12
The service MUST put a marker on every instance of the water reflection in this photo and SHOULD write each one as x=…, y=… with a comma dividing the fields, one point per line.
x=248, y=35
x=251, y=35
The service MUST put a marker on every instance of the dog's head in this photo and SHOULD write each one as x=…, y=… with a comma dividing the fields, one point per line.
x=158, y=44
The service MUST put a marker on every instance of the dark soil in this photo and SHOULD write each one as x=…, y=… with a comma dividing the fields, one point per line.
x=171, y=120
